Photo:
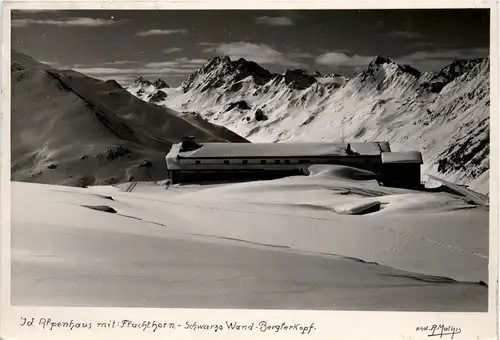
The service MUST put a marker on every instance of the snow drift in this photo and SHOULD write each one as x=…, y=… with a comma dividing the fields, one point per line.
x=415, y=251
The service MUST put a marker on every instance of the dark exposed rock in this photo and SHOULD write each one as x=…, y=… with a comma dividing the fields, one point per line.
x=19, y=77
x=260, y=116
x=112, y=154
x=158, y=97
x=160, y=84
x=247, y=68
x=469, y=151
x=146, y=164
x=214, y=83
x=375, y=65
x=379, y=60
x=433, y=87
x=236, y=87
x=443, y=165
x=456, y=69
x=226, y=69
x=16, y=67
x=411, y=70
x=142, y=81
x=298, y=79
x=241, y=105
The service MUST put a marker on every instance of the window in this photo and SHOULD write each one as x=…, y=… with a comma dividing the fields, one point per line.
x=304, y=161
x=277, y=161
x=287, y=161
x=226, y=162
x=244, y=161
x=197, y=162
x=263, y=161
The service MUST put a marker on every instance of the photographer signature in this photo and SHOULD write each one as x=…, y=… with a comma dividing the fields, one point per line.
x=440, y=330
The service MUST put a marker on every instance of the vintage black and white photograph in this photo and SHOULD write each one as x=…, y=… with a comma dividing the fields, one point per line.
x=251, y=159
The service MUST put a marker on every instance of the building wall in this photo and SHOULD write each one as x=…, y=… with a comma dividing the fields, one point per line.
x=365, y=162
x=401, y=175
x=220, y=169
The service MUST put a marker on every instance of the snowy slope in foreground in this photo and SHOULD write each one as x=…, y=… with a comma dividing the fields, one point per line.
x=420, y=232
x=445, y=115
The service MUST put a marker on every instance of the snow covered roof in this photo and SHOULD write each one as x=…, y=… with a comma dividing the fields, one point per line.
x=257, y=150
x=372, y=149
x=402, y=157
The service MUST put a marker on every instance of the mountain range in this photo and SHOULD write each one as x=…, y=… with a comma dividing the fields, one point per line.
x=72, y=129
x=444, y=114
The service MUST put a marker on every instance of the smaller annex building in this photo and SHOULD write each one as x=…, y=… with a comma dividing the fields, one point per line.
x=191, y=162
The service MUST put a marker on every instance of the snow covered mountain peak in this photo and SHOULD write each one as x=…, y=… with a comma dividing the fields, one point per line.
x=160, y=84
x=142, y=81
x=385, y=76
x=298, y=79
x=436, y=82
x=216, y=62
x=222, y=70
x=388, y=66
x=459, y=67
x=157, y=84
x=379, y=60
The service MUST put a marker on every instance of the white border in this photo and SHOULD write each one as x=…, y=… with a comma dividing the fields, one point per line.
x=329, y=325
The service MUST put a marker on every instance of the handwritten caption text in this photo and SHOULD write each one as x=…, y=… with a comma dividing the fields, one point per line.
x=262, y=326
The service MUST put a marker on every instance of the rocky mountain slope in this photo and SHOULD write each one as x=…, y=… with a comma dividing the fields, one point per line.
x=445, y=114
x=71, y=129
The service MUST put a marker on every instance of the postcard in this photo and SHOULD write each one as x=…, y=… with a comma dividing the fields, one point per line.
x=222, y=170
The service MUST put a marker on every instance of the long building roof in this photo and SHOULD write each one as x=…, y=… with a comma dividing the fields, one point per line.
x=281, y=150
